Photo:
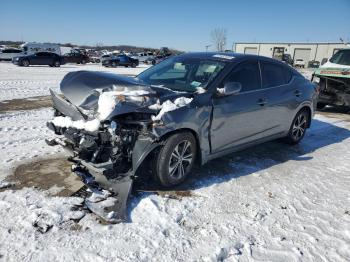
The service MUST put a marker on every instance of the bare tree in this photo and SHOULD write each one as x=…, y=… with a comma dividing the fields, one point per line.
x=218, y=36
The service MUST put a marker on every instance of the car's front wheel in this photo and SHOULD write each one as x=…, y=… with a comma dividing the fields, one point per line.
x=133, y=65
x=175, y=160
x=57, y=63
x=25, y=62
x=298, y=128
x=114, y=64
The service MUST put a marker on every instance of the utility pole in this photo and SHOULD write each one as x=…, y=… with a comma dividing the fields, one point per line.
x=206, y=48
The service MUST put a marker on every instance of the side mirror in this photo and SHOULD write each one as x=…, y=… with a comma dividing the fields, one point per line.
x=324, y=60
x=230, y=88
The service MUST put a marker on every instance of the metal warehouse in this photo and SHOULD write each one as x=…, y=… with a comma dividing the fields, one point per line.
x=306, y=51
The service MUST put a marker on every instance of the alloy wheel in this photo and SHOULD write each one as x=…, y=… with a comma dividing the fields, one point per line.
x=299, y=127
x=180, y=159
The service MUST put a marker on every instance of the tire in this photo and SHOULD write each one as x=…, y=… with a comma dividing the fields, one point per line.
x=25, y=63
x=98, y=60
x=320, y=106
x=56, y=63
x=153, y=62
x=298, y=127
x=133, y=65
x=83, y=61
x=172, y=165
x=114, y=64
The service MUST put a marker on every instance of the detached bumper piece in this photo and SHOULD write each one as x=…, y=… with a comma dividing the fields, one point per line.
x=107, y=197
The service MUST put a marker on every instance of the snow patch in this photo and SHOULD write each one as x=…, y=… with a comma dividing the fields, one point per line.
x=32, y=210
x=108, y=100
x=201, y=90
x=65, y=121
x=170, y=106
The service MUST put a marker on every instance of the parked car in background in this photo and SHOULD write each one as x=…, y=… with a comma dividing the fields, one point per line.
x=95, y=59
x=40, y=58
x=156, y=60
x=9, y=53
x=189, y=109
x=287, y=58
x=120, y=60
x=76, y=58
x=299, y=63
x=313, y=64
x=105, y=57
x=142, y=57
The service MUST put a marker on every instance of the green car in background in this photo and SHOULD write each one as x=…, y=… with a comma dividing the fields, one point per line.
x=334, y=80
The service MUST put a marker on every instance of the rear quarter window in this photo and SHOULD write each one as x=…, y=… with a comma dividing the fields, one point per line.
x=274, y=74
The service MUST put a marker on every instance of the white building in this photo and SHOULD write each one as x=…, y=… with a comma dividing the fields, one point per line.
x=305, y=51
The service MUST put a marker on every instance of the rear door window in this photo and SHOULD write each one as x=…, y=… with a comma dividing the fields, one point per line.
x=248, y=75
x=274, y=75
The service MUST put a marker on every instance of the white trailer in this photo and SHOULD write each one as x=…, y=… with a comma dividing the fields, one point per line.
x=32, y=48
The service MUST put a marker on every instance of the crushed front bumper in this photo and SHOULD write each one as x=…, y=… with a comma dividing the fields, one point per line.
x=108, y=191
x=111, y=206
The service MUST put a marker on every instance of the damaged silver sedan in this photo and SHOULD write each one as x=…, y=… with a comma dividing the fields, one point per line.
x=188, y=109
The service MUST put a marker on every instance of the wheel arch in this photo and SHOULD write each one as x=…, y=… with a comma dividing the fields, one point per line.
x=145, y=151
x=195, y=135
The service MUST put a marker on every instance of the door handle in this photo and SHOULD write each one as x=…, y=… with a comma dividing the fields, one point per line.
x=262, y=102
x=297, y=93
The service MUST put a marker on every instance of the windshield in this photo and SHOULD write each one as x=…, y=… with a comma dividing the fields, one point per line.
x=342, y=57
x=182, y=74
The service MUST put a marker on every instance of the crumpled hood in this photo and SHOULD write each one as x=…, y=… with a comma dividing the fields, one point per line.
x=83, y=89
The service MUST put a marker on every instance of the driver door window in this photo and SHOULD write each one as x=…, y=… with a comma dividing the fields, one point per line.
x=248, y=75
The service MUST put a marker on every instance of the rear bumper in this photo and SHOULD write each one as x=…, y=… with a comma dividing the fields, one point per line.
x=339, y=99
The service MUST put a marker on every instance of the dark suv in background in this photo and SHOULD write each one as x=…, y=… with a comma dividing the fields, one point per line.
x=120, y=60
x=76, y=58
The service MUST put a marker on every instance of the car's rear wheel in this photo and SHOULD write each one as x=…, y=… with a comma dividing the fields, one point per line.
x=57, y=63
x=175, y=160
x=298, y=128
x=25, y=62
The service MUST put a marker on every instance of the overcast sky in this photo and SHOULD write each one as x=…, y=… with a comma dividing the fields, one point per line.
x=180, y=24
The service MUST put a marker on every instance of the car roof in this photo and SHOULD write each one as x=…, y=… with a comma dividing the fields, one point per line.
x=228, y=56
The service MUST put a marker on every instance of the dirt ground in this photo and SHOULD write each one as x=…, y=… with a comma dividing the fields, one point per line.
x=29, y=103
x=53, y=175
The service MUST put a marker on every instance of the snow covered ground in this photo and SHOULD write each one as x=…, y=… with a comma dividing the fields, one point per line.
x=272, y=202
x=21, y=82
